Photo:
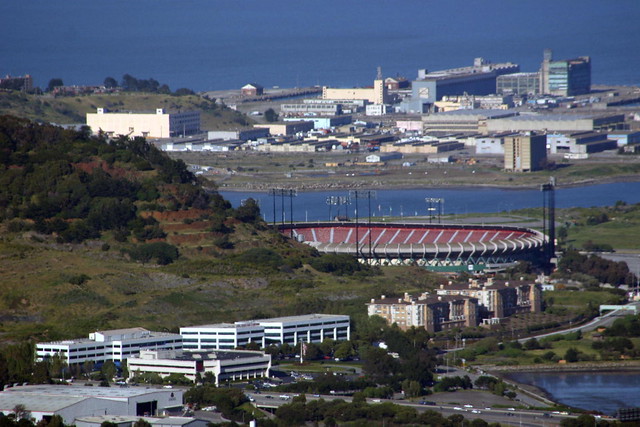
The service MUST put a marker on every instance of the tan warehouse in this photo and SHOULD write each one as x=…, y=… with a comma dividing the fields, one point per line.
x=146, y=125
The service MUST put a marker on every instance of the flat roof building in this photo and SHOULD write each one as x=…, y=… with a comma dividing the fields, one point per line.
x=469, y=121
x=147, y=125
x=555, y=122
x=116, y=345
x=565, y=77
x=291, y=329
x=223, y=364
x=525, y=153
x=73, y=402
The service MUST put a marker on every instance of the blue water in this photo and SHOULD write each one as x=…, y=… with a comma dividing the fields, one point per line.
x=312, y=206
x=604, y=391
x=223, y=44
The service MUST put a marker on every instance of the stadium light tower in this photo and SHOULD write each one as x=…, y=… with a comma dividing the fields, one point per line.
x=549, y=218
x=434, y=204
x=283, y=192
x=337, y=201
x=368, y=194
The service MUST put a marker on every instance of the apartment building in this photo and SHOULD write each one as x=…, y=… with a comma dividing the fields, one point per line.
x=498, y=299
x=432, y=312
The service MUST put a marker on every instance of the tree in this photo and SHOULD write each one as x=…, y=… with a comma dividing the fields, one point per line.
x=109, y=370
x=21, y=412
x=270, y=115
x=141, y=423
x=571, y=355
x=54, y=83
x=110, y=83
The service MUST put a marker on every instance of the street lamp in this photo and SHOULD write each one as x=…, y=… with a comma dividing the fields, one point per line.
x=435, y=205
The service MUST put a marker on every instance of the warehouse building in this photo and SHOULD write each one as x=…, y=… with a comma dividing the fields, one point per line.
x=555, y=122
x=146, y=125
x=467, y=121
x=74, y=402
x=130, y=421
x=580, y=143
x=223, y=364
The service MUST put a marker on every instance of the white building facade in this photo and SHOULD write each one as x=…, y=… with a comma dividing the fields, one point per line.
x=224, y=364
x=146, y=125
x=292, y=329
x=116, y=345
x=222, y=336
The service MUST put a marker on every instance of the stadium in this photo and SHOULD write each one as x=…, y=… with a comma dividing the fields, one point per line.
x=438, y=247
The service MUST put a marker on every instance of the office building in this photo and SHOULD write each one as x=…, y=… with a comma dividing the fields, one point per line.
x=565, y=77
x=431, y=312
x=116, y=345
x=223, y=364
x=146, y=125
x=23, y=83
x=291, y=329
x=74, y=402
x=222, y=335
x=525, y=153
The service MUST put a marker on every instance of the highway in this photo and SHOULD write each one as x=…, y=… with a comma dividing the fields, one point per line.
x=500, y=415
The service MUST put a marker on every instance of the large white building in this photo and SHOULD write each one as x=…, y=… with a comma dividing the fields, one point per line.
x=292, y=329
x=73, y=402
x=147, y=125
x=224, y=364
x=222, y=336
x=116, y=345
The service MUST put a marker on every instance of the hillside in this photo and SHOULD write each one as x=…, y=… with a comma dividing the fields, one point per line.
x=99, y=234
x=73, y=109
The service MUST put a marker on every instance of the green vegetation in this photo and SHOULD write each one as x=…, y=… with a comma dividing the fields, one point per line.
x=73, y=109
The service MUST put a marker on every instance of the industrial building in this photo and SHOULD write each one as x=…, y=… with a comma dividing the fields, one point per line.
x=292, y=329
x=116, y=345
x=518, y=84
x=74, y=402
x=378, y=94
x=525, y=153
x=130, y=421
x=468, y=121
x=625, y=137
x=478, y=79
x=147, y=125
x=252, y=89
x=565, y=77
x=223, y=364
x=555, y=122
x=579, y=143
x=286, y=128
x=421, y=147
x=431, y=312
x=498, y=299
x=241, y=134
x=324, y=122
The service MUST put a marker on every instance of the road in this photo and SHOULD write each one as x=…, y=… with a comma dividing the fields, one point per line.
x=605, y=320
x=524, y=417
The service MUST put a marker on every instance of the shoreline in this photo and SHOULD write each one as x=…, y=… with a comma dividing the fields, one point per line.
x=545, y=396
x=318, y=188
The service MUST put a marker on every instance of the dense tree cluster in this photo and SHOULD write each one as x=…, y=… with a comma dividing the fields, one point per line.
x=615, y=273
x=76, y=186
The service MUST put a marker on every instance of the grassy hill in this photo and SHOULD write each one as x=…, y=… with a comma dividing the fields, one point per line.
x=73, y=109
x=98, y=234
